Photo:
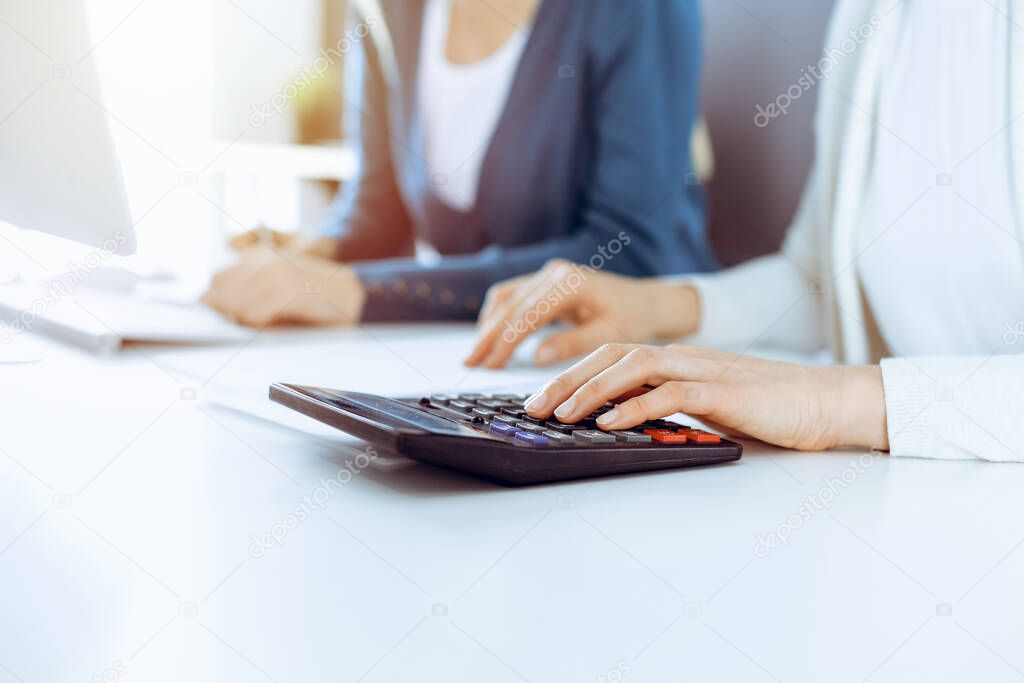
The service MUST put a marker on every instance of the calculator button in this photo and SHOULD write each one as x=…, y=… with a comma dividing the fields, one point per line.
x=532, y=439
x=492, y=404
x=593, y=436
x=461, y=405
x=502, y=429
x=507, y=419
x=530, y=427
x=559, y=437
x=507, y=397
x=564, y=428
x=666, y=436
x=515, y=412
x=441, y=399
x=452, y=414
x=471, y=397
x=632, y=437
x=484, y=413
x=671, y=438
x=701, y=436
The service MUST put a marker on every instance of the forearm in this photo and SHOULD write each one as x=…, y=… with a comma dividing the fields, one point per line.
x=858, y=411
x=362, y=227
x=403, y=290
x=370, y=218
x=940, y=407
x=676, y=313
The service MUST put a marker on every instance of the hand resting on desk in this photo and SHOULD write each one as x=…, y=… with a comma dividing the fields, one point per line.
x=287, y=285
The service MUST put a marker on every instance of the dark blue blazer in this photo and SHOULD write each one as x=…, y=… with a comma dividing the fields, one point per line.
x=591, y=155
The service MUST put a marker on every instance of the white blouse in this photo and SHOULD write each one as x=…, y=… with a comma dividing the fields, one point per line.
x=461, y=106
x=938, y=233
x=908, y=247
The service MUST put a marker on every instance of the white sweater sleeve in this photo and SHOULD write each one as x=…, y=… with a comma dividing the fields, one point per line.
x=776, y=300
x=765, y=302
x=956, y=407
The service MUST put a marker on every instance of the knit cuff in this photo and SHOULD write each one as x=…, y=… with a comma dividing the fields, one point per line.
x=908, y=394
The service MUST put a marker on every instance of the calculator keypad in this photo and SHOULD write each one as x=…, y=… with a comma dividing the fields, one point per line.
x=503, y=416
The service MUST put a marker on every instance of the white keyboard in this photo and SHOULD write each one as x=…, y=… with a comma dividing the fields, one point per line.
x=105, y=321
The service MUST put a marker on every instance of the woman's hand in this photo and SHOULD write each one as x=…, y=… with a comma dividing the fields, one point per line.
x=268, y=286
x=324, y=247
x=602, y=308
x=267, y=237
x=795, y=406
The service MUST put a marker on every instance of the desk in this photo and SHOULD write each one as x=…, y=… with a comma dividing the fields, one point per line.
x=128, y=512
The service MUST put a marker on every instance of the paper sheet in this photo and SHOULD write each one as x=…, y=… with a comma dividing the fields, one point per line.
x=387, y=360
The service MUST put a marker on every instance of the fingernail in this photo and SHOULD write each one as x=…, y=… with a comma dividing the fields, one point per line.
x=611, y=417
x=566, y=409
x=536, y=402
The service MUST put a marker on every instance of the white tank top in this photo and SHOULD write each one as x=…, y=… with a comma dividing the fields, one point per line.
x=461, y=106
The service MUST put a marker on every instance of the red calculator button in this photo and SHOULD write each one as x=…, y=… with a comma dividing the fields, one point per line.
x=699, y=436
x=667, y=436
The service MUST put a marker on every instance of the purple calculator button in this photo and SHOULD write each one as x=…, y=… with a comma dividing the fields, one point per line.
x=532, y=439
x=502, y=429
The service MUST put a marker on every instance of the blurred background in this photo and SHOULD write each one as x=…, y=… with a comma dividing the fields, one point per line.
x=754, y=50
x=232, y=113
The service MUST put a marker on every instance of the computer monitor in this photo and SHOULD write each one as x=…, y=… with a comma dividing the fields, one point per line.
x=59, y=172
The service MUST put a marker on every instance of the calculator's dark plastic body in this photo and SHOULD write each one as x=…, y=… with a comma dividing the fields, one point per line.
x=433, y=434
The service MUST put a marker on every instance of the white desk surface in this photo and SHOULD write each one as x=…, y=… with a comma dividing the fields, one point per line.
x=127, y=513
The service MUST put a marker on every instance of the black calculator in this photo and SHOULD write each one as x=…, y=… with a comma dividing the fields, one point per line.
x=491, y=436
